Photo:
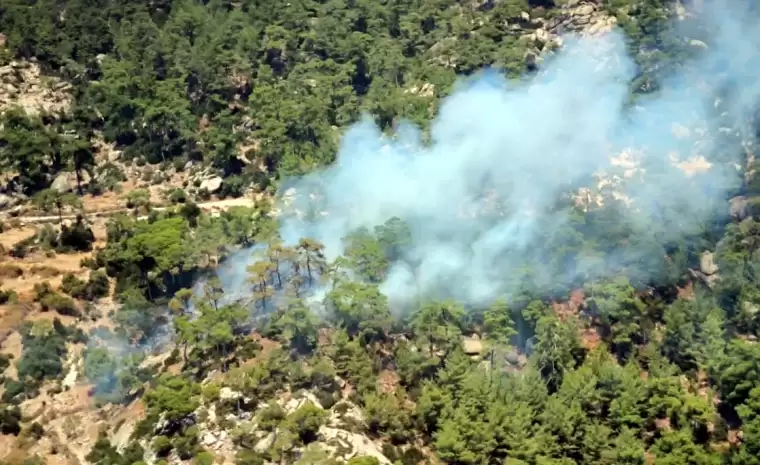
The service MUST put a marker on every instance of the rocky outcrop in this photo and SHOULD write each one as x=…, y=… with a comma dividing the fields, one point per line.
x=584, y=19
x=64, y=182
x=212, y=184
x=347, y=445
x=472, y=346
x=540, y=32
x=707, y=264
x=738, y=207
x=23, y=85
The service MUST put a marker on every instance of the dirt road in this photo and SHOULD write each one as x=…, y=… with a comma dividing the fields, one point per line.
x=212, y=205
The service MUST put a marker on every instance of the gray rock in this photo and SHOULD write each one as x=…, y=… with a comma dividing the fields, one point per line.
x=584, y=10
x=530, y=58
x=226, y=393
x=739, y=207
x=62, y=85
x=5, y=201
x=707, y=264
x=697, y=43
x=209, y=439
x=212, y=184
x=265, y=443
x=64, y=182
x=472, y=346
x=512, y=357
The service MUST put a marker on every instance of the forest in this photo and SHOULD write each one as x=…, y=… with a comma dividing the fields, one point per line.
x=652, y=361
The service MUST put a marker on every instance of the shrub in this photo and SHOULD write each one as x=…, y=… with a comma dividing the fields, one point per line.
x=35, y=430
x=137, y=198
x=44, y=271
x=10, y=418
x=47, y=237
x=179, y=164
x=8, y=296
x=73, y=286
x=363, y=460
x=204, y=458
x=161, y=446
x=186, y=445
x=249, y=457
x=23, y=247
x=77, y=237
x=233, y=186
x=60, y=303
x=271, y=416
x=41, y=290
x=98, y=284
x=89, y=262
x=13, y=389
x=5, y=361
x=211, y=392
x=178, y=196
x=326, y=399
x=10, y=271
x=306, y=421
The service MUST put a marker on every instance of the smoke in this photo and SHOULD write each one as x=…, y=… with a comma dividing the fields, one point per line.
x=480, y=194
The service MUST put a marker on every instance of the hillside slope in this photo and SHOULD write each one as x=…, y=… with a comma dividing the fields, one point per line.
x=208, y=256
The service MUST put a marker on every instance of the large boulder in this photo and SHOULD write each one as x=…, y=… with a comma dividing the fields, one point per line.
x=5, y=201
x=707, y=264
x=212, y=185
x=64, y=182
x=346, y=445
x=738, y=207
x=472, y=346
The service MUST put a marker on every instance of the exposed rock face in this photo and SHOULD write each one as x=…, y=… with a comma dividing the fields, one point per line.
x=5, y=201
x=543, y=35
x=707, y=264
x=346, y=445
x=212, y=184
x=586, y=19
x=22, y=85
x=738, y=207
x=472, y=346
x=64, y=182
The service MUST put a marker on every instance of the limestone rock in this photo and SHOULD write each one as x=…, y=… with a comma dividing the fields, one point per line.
x=739, y=207
x=64, y=182
x=5, y=201
x=707, y=264
x=697, y=43
x=472, y=346
x=212, y=184
x=297, y=402
x=226, y=393
x=347, y=445
x=209, y=439
x=265, y=443
x=513, y=357
x=584, y=10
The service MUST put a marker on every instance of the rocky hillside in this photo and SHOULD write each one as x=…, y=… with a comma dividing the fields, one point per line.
x=151, y=313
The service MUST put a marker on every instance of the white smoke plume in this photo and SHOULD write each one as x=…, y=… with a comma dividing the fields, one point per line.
x=526, y=144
